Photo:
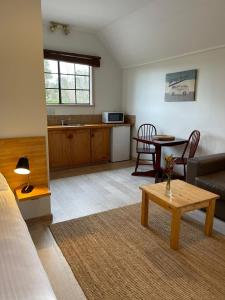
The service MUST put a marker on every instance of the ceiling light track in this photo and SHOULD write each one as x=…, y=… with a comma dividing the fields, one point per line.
x=53, y=26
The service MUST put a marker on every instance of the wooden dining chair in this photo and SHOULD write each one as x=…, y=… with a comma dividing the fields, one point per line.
x=145, y=130
x=189, y=150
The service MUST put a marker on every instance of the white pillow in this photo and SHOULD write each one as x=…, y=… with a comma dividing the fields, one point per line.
x=3, y=183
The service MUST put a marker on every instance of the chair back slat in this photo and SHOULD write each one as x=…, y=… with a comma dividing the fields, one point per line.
x=192, y=144
x=145, y=130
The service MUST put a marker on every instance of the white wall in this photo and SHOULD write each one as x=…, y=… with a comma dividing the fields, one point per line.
x=22, y=98
x=165, y=28
x=107, y=78
x=23, y=111
x=143, y=95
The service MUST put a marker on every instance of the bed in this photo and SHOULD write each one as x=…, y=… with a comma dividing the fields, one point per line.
x=21, y=272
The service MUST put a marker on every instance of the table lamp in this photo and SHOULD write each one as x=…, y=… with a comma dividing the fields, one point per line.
x=22, y=168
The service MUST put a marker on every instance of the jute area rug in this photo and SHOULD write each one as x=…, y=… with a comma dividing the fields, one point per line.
x=113, y=257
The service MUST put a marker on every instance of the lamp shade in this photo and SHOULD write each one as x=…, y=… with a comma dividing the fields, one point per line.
x=22, y=166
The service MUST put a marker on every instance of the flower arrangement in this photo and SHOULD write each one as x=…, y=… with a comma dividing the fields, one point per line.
x=169, y=160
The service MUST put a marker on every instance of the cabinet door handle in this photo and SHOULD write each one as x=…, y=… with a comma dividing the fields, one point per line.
x=70, y=136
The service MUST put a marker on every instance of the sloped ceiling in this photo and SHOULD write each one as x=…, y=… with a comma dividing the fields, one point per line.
x=165, y=28
x=142, y=31
x=91, y=15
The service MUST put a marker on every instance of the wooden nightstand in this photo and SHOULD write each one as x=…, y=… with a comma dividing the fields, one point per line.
x=38, y=210
x=39, y=191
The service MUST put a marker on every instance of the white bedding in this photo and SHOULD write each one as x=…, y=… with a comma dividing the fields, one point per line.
x=22, y=276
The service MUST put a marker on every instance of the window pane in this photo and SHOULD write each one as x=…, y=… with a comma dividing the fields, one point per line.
x=82, y=82
x=74, y=82
x=82, y=69
x=66, y=68
x=67, y=81
x=51, y=66
x=52, y=96
x=51, y=80
x=68, y=96
x=82, y=97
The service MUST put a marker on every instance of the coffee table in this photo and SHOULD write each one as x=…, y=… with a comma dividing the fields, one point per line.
x=185, y=197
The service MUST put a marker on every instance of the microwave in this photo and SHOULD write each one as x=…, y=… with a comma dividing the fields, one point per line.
x=112, y=117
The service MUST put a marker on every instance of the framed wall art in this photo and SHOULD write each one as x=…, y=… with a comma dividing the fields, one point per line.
x=181, y=86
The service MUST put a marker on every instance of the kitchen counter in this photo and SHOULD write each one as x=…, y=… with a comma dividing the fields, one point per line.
x=79, y=144
x=88, y=126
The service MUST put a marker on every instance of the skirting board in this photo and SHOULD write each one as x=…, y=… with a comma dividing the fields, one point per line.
x=44, y=219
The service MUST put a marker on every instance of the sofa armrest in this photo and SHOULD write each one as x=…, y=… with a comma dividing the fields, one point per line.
x=203, y=165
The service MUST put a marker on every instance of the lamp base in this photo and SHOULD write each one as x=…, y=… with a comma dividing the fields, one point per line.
x=27, y=189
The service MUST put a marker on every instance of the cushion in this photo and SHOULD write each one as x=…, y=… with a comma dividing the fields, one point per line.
x=214, y=182
x=3, y=183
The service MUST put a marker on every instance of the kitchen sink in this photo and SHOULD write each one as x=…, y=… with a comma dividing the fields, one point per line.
x=73, y=124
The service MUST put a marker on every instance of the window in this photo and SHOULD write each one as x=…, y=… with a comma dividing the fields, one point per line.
x=67, y=83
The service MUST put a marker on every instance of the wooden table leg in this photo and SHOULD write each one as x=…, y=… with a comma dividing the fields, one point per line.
x=157, y=166
x=144, y=209
x=209, y=217
x=175, y=229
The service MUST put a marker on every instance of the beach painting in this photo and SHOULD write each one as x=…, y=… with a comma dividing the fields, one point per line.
x=180, y=86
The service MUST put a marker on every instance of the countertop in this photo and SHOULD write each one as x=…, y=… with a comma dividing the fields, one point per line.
x=88, y=126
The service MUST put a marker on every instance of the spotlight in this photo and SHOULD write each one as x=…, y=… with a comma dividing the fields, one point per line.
x=54, y=26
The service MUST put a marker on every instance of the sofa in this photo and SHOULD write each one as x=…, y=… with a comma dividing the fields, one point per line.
x=22, y=274
x=208, y=172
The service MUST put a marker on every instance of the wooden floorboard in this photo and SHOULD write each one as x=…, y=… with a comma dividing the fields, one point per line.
x=80, y=192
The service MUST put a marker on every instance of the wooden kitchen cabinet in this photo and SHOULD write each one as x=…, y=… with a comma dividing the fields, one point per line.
x=59, y=148
x=68, y=148
x=80, y=147
x=100, y=144
x=71, y=147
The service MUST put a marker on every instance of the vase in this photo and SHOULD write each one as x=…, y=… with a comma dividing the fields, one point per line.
x=168, y=188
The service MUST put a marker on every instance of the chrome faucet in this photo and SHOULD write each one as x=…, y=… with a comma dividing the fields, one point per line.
x=62, y=122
